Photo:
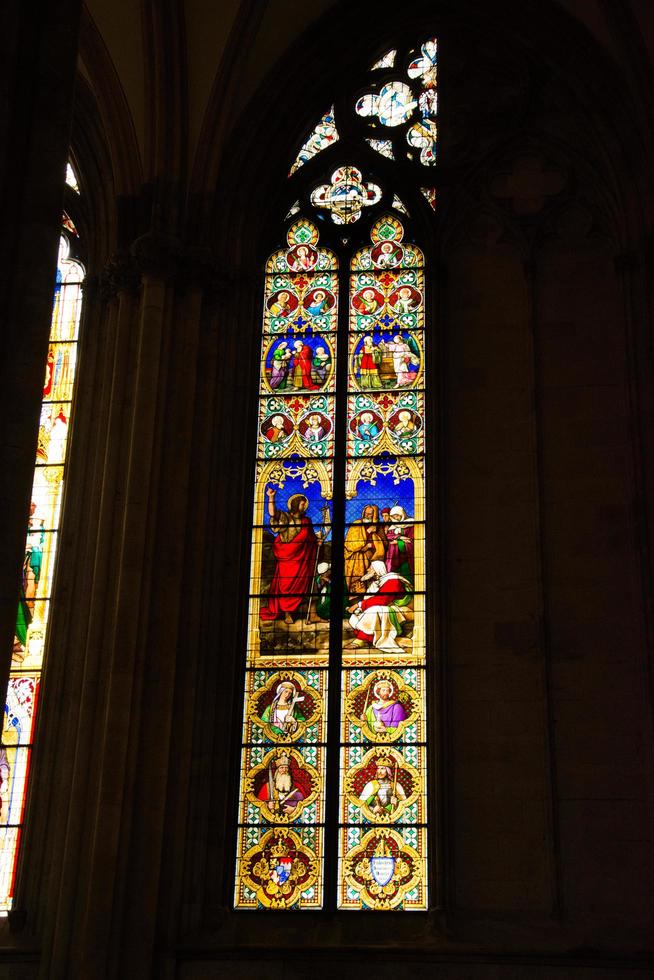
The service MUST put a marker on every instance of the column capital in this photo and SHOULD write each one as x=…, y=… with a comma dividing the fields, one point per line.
x=119, y=274
x=158, y=254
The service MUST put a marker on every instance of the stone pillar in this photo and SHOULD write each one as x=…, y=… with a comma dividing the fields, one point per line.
x=598, y=607
x=499, y=796
x=94, y=845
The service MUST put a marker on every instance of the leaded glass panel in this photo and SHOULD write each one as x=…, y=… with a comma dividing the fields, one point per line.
x=282, y=780
x=340, y=485
x=383, y=764
x=40, y=554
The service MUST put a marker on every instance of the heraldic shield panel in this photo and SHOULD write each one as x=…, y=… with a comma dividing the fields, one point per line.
x=282, y=779
x=383, y=769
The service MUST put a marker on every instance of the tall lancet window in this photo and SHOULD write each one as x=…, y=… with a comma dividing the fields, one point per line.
x=282, y=807
x=40, y=553
x=333, y=806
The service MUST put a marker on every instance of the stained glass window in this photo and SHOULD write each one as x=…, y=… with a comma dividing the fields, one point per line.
x=68, y=224
x=383, y=811
x=346, y=195
x=386, y=61
x=429, y=194
x=399, y=205
x=324, y=134
x=38, y=564
x=282, y=805
x=407, y=104
x=338, y=594
x=385, y=147
x=71, y=179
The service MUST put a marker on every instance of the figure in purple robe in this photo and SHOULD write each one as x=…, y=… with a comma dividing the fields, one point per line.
x=280, y=367
x=385, y=711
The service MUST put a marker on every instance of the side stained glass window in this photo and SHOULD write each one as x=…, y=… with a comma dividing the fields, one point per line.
x=338, y=593
x=38, y=564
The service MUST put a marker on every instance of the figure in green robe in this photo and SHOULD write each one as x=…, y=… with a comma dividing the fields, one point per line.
x=283, y=714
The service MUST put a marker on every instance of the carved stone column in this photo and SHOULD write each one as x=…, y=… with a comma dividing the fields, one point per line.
x=94, y=844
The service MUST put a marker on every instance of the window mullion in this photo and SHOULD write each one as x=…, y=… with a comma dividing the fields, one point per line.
x=337, y=602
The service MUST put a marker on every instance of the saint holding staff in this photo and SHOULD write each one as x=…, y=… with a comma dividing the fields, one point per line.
x=295, y=548
x=383, y=792
x=386, y=711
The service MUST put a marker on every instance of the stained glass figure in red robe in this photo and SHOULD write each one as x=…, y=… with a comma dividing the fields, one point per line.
x=284, y=785
x=378, y=617
x=301, y=365
x=294, y=549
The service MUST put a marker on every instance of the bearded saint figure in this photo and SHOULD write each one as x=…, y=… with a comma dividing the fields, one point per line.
x=294, y=549
x=275, y=431
x=405, y=425
x=286, y=785
x=385, y=711
x=384, y=792
x=365, y=542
